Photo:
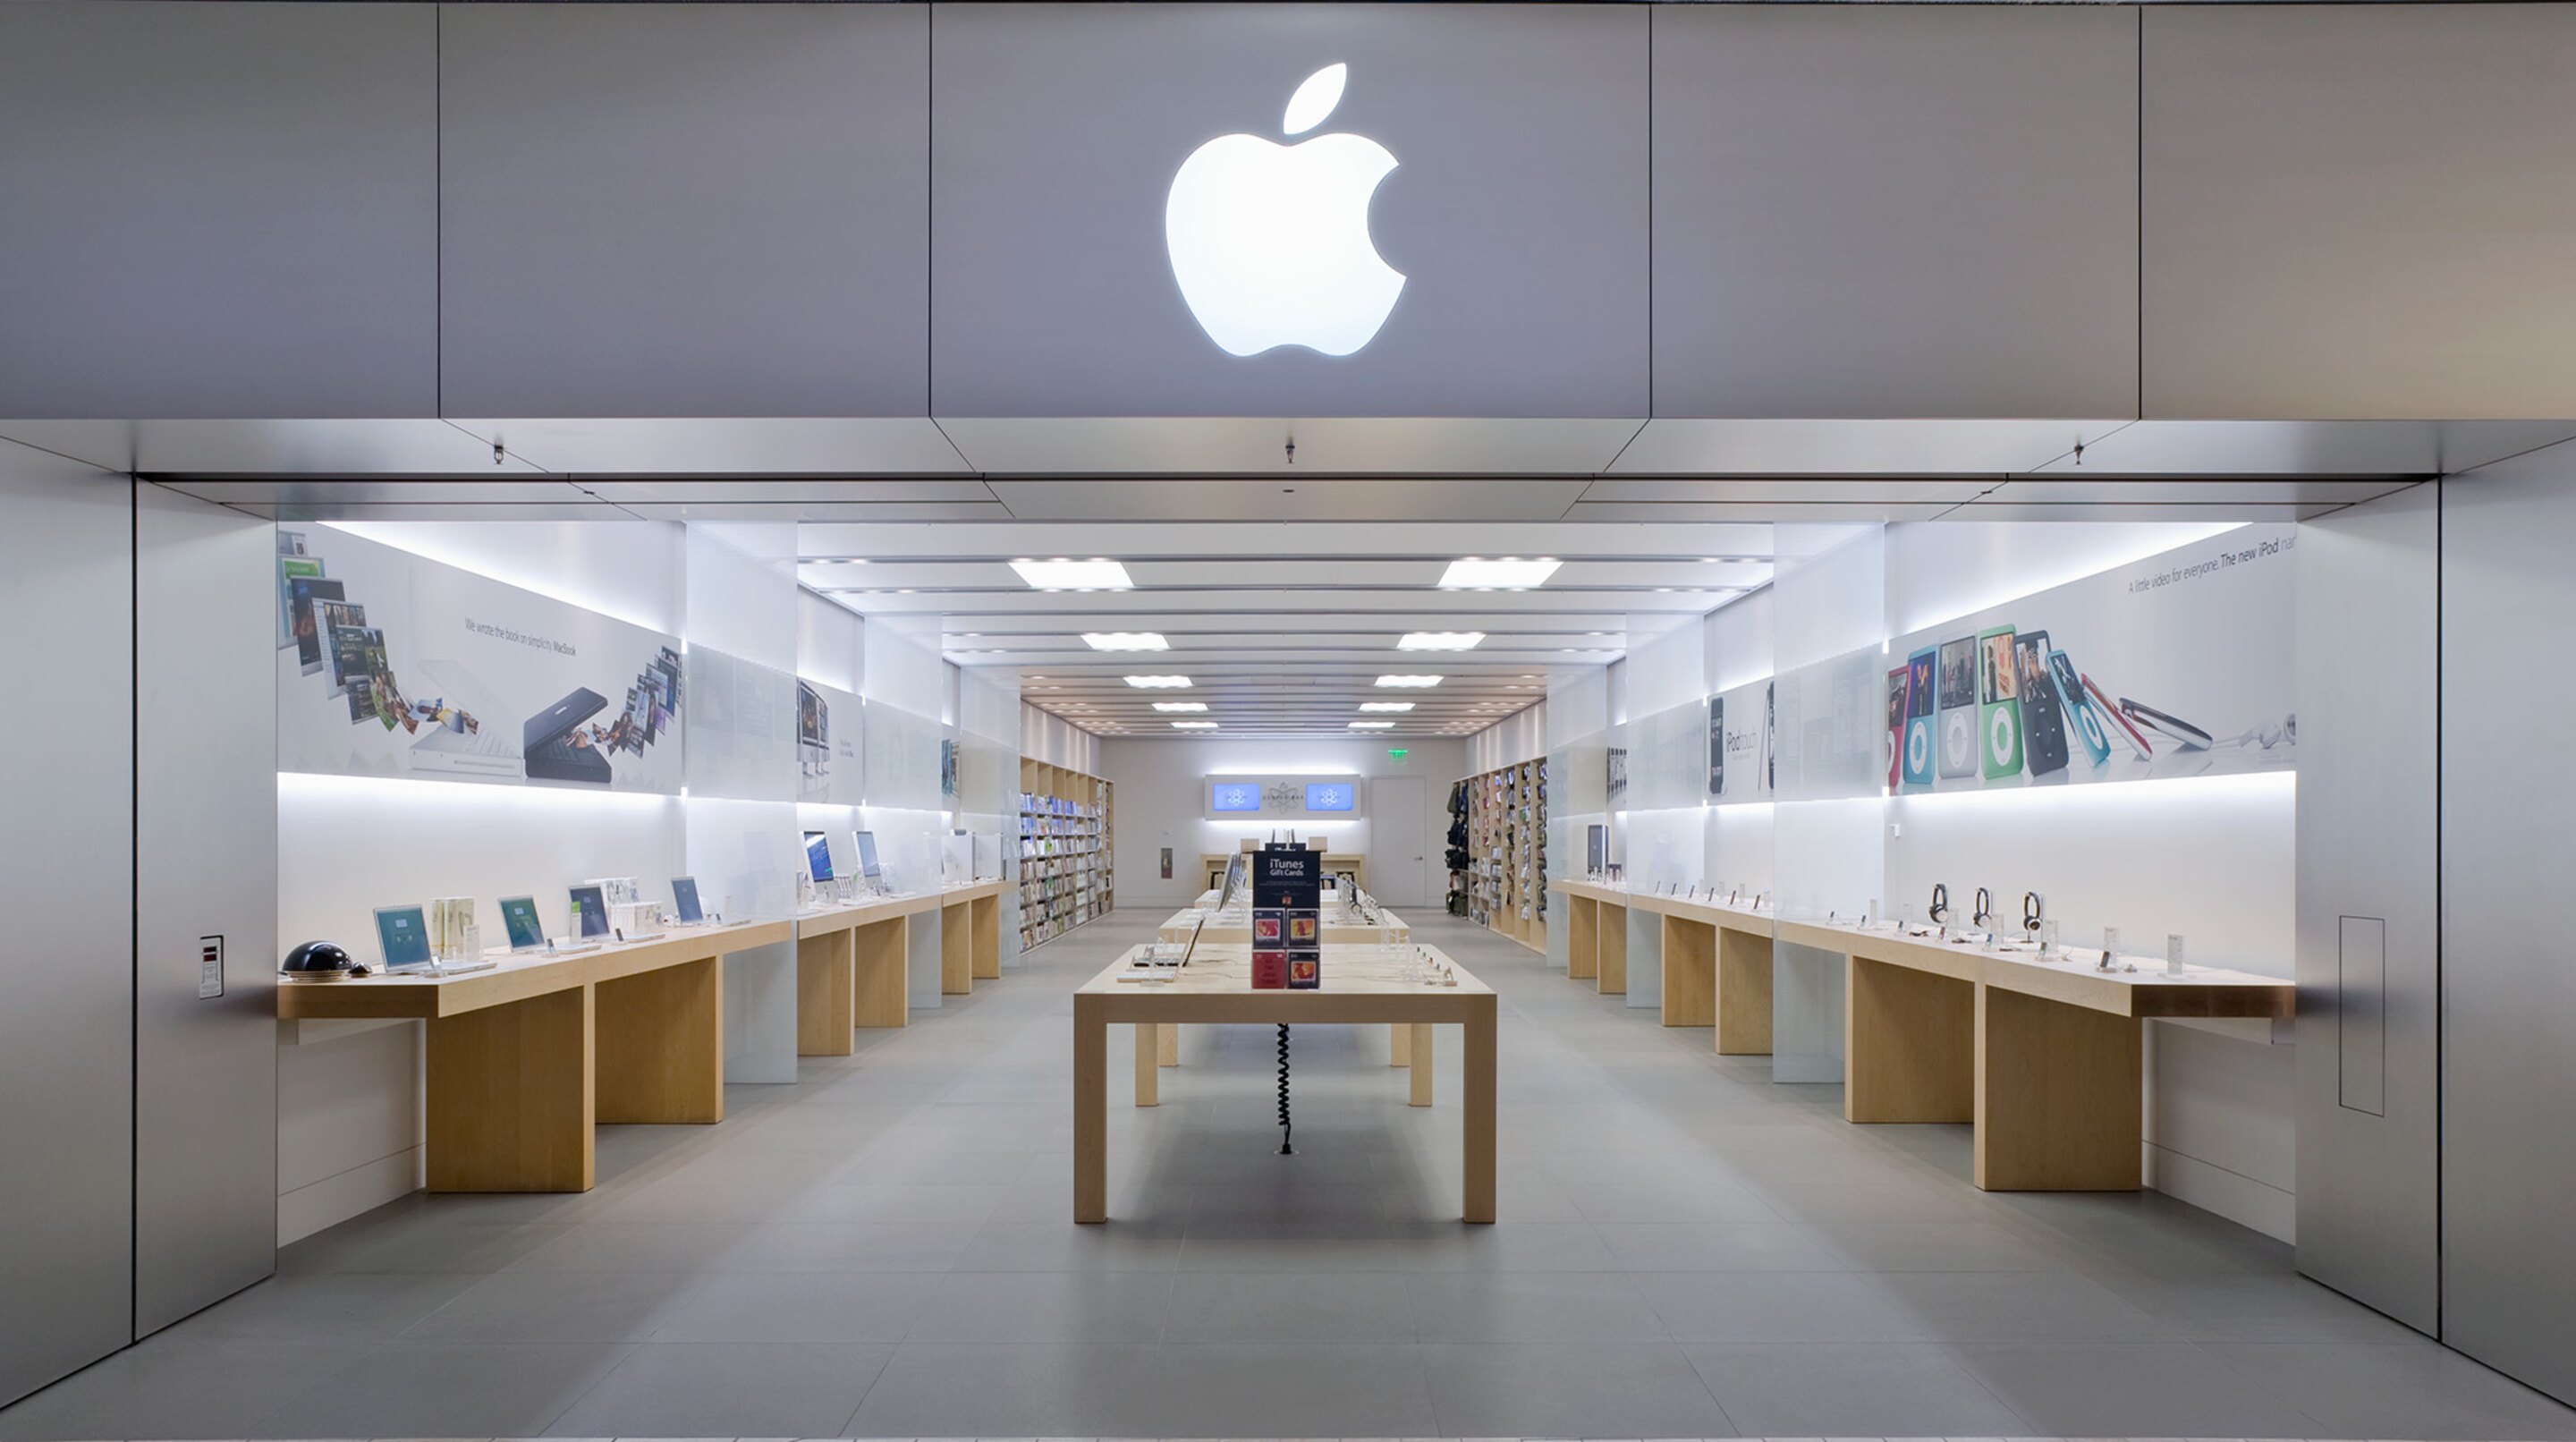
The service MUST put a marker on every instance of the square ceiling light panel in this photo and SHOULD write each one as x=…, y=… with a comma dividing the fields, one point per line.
x=1061, y=574
x=1386, y=705
x=1125, y=641
x=1440, y=641
x=1194, y=725
x=1408, y=680
x=1152, y=683
x=1180, y=705
x=1507, y=573
x=1372, y=725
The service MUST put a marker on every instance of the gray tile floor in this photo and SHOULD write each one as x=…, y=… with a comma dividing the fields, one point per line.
x=1685, y=1250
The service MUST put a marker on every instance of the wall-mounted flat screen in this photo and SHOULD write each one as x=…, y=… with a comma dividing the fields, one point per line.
x=1234, y=796
x=1329, y=796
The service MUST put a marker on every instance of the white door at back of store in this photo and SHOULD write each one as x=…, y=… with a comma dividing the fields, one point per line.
x=1395, y=852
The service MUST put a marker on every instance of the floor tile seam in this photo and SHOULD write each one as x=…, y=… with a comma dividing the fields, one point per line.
x=2316, y=1426
x=1704, y=1385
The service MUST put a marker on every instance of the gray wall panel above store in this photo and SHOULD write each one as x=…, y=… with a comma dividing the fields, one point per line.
x=685, y=210
x=1895, y=211
x=1516, y=212
x=217, y=210
x=2359, y=211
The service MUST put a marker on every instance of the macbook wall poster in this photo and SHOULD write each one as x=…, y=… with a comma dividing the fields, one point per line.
x=2176, y=665
x=390, y=664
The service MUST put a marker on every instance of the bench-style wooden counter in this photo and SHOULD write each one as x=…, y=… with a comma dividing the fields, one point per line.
x=1359, y=986
x=524, y=1059
x=1716, y=958
x=2042, y=1057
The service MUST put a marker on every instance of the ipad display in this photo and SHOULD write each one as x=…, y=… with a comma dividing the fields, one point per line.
x=519, y=915
x=402, y=935
x=684, y=900
x=589, y=912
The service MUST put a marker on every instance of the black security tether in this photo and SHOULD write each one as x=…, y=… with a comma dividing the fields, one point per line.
x=1286, y=1131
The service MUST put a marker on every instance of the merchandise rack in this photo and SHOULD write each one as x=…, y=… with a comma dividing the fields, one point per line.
x=1066, y=845
x=1507, y=851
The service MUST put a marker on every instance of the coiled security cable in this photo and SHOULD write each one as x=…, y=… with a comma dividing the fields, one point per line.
x=1286, y=1131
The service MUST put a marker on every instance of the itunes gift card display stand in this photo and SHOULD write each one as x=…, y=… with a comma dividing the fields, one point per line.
x=1287, y=918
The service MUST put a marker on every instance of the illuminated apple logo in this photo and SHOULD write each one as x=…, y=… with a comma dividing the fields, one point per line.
x=1270, y=242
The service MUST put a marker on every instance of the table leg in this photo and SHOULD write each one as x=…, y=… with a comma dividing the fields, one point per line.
x=1909, y=1045
x=1743, y=994
x=512, y=1096
x=1480, y=1093
x=1583, y=937
x=824, y=995
x=1419, y=1059
x=1690, y=973
x=1610, y=965
x=880, y=991
x=661, y=1044
x=1148, y=1063
x=1170, y=1031
x=2059, y=1104
x=1399, y=1043
x=1090, y=1111
x=984, y=923
x=956, y=950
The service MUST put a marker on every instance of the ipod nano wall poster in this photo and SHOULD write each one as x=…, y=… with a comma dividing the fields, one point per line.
x=403, y=935
x=2066, y=686
x=519, y=916
x=1920, y=672
x=397, y=665
x=1895, y=724
x=1234, y=796
x=2080, y=720
x=589, y=911
x=818, y=855
x=1335, y=796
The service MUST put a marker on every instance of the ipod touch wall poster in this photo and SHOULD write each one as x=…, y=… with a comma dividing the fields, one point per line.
x=396, y=665
x=2176, y=665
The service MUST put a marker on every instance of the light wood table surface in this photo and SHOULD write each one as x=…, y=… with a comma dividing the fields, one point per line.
x=524, y=1059
x=1233, y=926
x=1358, y=986
x=2043, y=1058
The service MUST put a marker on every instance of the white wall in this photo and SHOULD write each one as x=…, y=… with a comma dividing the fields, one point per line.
x=1057, y=742
x=1521, y=736
x=1162, y=800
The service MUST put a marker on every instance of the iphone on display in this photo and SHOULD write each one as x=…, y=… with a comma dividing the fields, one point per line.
x=2043, y=725
x=1998, y=704
x=2127, y=729
x=1957, y=707
x=1895, y=723
x=2079, y=711
x=1920, y=669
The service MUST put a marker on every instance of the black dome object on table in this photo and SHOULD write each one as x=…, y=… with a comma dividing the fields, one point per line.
x=318, y=958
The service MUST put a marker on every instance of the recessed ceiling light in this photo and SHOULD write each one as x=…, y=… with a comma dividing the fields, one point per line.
x=1150, y=683
x=1195, y=725
x=1508, y=573
x=1386, y=705
x=1372, y=725
x=1125, y=641
x=1180, y=705
x=1440, y=640
x=1408, y=680
x=1061, y=574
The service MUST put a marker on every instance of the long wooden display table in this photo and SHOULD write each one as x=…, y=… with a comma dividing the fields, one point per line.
x=2043, y=1058
x=524, y=1059
x=1716, y=958
x=851, y=959
x=1358, y=986
x=970, y=936
x=1234, y=928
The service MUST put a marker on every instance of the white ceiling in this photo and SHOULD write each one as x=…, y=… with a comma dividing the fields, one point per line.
x=1282, y=581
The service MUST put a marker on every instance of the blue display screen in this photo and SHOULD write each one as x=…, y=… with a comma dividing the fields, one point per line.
x=1235, y=796
x=1333, y=797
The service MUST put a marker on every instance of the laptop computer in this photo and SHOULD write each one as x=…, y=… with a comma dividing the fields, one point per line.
x=447, y=744
x=553, y=748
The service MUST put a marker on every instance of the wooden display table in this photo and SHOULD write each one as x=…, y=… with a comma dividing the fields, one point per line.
x=1716, y=958
x=851, y=969
x=2043, y=1058
x=1234, y=928
x=970, y=936
x=526, y=1058
x=1216, y=987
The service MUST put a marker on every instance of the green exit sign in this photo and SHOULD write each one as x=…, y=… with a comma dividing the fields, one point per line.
x=1395, y=753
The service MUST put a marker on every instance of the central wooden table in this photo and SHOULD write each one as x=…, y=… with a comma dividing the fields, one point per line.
x=525, y=1058
x=1359, y=986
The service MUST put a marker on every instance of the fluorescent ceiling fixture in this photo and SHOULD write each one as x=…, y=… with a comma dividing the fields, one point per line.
x=1125, y=641
x=1408, y=680
x=1180, y=705
x=1150, y=683
x=1195, y=725
x=1372, y=725
x=1508, y=573
x=1440, y=641
x=1064, y=575
x=1386, y=705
